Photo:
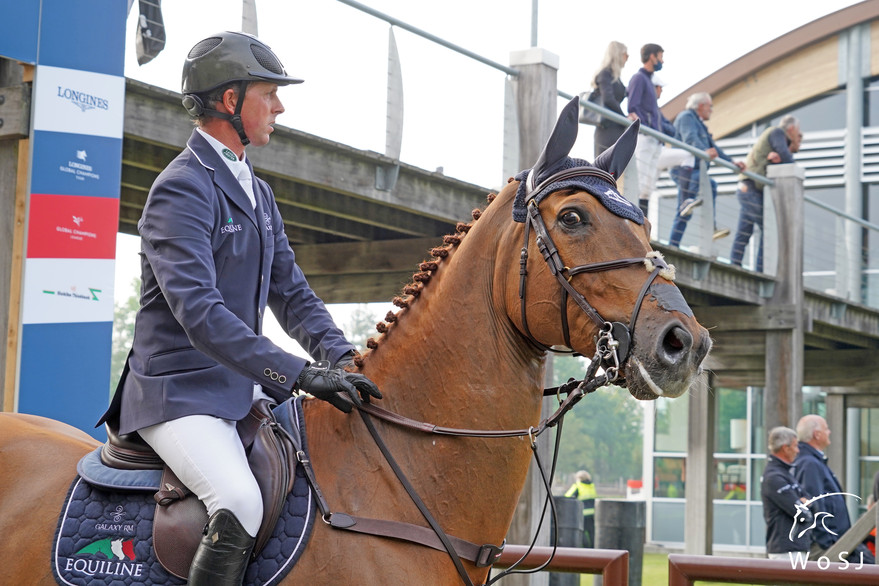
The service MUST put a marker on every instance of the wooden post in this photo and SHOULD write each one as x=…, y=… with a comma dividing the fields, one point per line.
x=14, y=152
x=782, y=398
x=536, y=110
x=699, y=508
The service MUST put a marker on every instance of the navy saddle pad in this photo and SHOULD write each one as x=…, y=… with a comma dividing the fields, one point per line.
x=105, y=537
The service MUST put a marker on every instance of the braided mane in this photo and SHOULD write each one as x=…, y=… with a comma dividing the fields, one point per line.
x=421, y=278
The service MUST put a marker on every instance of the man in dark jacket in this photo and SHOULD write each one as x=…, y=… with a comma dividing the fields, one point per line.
x=817, y=479
x=787, y=518
x=214, y=256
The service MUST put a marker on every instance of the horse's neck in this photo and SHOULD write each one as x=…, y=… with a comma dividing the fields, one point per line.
x=456, y=344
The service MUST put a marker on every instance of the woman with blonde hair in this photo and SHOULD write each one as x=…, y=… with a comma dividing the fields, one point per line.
x=607, y=82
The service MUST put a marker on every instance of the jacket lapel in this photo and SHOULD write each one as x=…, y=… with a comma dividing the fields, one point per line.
x=222, y=176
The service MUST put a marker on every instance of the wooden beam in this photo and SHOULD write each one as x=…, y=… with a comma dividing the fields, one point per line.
x=732, y=318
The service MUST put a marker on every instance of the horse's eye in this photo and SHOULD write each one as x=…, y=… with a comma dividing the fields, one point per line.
x=570, y=218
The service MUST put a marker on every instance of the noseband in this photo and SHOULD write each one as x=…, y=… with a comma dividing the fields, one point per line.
x=614, y=340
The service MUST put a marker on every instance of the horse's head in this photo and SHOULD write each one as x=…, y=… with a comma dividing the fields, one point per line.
x=589, y=276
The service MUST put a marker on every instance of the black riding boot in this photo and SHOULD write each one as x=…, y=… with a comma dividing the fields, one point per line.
x=223, y=554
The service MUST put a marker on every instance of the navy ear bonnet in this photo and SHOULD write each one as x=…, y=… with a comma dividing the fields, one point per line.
x=605, y=192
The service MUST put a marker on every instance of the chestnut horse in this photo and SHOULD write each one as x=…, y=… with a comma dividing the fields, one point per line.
x=466, y=350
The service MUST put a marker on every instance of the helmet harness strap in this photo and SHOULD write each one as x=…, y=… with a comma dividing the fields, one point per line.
x=234, y=119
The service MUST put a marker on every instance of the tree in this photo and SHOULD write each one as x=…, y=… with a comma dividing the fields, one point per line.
x=124, y=313
x=361, y=326
x=603, y=432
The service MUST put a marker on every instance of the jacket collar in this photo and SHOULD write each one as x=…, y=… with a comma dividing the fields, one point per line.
x=221, y=174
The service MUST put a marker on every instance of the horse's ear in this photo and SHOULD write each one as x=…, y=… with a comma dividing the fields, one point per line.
x=615, y=159
x=560, y=142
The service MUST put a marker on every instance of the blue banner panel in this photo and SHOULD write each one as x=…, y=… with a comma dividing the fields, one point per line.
x=84, y=35
x=65, y=373
x=19, y=26
x=76, y=164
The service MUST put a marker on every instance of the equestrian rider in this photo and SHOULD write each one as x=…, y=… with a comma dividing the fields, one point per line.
x=214, y=254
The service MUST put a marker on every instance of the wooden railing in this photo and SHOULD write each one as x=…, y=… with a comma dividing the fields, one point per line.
x=685, y=570
x=612, y=564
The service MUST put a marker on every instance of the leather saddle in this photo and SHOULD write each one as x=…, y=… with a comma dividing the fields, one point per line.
x=181, y=518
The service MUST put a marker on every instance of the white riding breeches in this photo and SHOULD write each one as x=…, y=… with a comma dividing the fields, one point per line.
x=206, y=454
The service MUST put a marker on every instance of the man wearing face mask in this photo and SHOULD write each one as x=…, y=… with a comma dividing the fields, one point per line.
x=643, y=104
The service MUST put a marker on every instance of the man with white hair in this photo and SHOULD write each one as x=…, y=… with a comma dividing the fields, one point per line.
x=777, y=144
x=815, y=476
x=690, y=128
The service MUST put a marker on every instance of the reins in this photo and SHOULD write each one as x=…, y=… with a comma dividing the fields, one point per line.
x=613, y=343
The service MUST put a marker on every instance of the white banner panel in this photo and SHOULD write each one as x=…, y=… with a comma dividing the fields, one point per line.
x=65, y=290
x=70, y=100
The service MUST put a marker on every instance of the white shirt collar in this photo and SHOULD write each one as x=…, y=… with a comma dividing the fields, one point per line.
x=239, y=168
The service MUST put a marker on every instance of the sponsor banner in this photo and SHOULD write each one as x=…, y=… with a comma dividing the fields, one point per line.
x=80, y=102
x=67, y=290
x=18, y=31
x=65, y=372
x=71, y=226
x=76, y=164
x=83, y=35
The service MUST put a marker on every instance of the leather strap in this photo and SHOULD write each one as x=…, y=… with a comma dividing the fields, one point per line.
x=481, y=555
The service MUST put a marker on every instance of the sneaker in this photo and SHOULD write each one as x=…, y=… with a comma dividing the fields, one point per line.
x=721, y=233
x=687, y=207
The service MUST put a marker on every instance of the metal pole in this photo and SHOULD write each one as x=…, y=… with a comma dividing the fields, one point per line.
x=428, y=36
x=534, y=23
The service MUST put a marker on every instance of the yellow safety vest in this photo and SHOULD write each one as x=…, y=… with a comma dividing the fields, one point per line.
x=585, y=492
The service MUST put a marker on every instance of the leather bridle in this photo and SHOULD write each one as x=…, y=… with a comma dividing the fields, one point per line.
x=616, y=337
x=612, y=346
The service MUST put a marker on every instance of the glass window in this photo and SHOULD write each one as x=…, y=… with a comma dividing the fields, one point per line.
x=869, y=468
x=827, y=112
x=758, y=526
x=669, y=477
x=671, y=425
x=730, y=524
x=759, y=432
x=732, y=422
x=732, y=479
x=872, y=98
x=869, y=432
x=668, y=522
x=757, y=467
x=813, y=401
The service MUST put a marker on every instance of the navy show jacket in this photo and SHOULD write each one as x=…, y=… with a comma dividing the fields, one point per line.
x=210, y=264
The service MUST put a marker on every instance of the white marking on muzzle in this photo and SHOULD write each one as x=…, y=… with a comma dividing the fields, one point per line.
x=647, y=378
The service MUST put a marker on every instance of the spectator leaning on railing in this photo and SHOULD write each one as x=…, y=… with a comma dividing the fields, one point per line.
x=690, y=128
x=642, y=103
x=776, y=145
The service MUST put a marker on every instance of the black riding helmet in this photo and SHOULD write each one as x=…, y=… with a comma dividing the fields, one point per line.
x=225, y=58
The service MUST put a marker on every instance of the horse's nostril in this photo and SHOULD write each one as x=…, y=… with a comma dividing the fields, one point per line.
x=674, y=344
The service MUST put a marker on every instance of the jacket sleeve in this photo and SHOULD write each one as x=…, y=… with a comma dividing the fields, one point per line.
x=297, y=308
x=689, y=130
x=635, y=92
x=778, y=143
x=605, y=86
x=176, y=234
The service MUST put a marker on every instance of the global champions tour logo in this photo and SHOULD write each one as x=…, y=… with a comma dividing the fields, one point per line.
x=801, y=516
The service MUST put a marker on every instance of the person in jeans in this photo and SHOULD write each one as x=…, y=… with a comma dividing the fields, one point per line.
x=642, y=105
x=777, y=144
x=690, y=128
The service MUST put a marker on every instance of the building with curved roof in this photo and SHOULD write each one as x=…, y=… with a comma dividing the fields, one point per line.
x=826, y=73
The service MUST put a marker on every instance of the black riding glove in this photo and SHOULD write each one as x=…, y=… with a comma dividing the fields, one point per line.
x=326, y=383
